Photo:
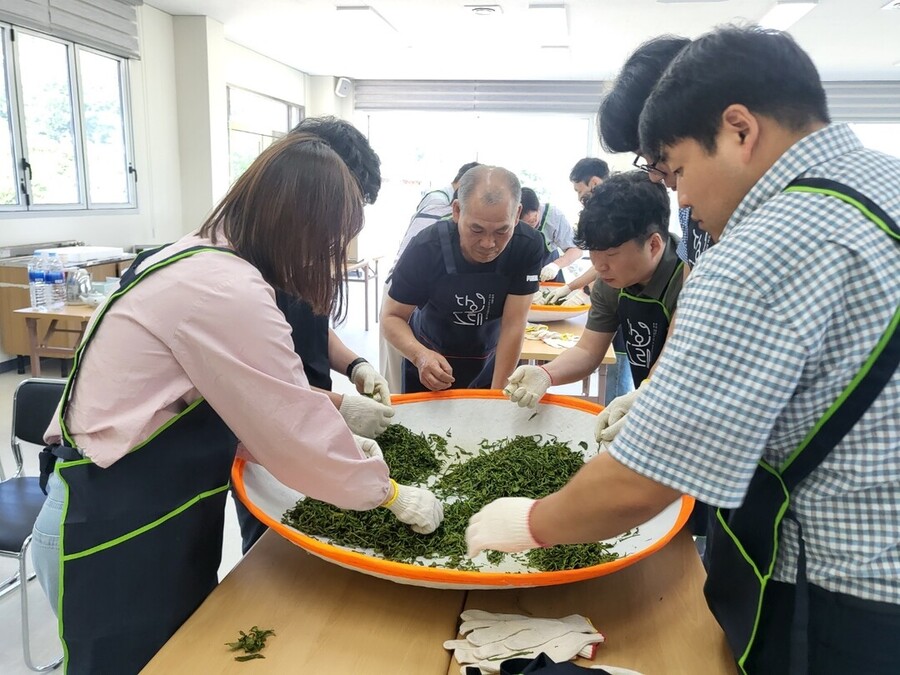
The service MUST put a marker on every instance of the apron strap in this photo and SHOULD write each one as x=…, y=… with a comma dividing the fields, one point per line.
x=446, y=249
x=799, y=659
x=47, y=461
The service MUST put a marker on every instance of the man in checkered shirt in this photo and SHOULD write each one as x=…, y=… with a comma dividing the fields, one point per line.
x=773, y=323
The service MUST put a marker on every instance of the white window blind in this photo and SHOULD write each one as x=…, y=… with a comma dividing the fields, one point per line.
x=108, y=25
x=864, y=101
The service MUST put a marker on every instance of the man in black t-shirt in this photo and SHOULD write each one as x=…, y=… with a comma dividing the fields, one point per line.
x=460, y=292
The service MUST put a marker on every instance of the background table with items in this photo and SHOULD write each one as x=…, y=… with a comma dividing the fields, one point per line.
x=332, y=620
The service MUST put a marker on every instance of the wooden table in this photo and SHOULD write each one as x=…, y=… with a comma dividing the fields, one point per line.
x=538, y=351
x=38, y=346
x=340, y=622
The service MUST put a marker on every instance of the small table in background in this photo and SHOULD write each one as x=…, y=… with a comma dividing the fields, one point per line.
x=538, y=351
x=365, y=270
x=38, y=346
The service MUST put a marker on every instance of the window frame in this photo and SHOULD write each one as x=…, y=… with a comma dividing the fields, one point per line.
x=22, y=176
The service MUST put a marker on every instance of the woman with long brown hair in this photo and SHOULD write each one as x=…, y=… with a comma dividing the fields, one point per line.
x=187, y=361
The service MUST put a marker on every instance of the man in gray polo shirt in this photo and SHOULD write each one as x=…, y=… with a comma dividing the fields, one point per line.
x=624, y=226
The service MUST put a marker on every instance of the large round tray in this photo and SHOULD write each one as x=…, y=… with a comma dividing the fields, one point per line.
x=549, y=313
x=472, y=415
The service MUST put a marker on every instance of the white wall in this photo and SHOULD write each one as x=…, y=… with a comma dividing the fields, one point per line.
x=249, y=70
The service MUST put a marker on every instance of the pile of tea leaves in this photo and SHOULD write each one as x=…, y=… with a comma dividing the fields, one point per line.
x=524, y=466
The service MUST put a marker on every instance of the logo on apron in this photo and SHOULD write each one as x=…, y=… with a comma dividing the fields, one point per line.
x=477, y=309
x=639, y=342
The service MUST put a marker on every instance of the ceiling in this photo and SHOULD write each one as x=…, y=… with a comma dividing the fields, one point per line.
x=443, y=39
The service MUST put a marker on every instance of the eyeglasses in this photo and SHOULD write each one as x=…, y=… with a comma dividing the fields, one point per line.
x=640, y=165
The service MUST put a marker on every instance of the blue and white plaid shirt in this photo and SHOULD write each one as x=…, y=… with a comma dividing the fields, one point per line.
x=773, y=323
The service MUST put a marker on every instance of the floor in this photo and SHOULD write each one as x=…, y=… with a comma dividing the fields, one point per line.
x=44, y=641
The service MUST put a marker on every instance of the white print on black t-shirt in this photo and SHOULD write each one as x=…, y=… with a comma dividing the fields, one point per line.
x=638, y=342
x=477, y=309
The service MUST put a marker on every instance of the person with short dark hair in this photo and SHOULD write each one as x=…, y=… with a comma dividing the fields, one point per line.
x=624, y=226
x=559, y=237
x=460, y=294
x=776, y=397
x=187, y=362
x=586, y=175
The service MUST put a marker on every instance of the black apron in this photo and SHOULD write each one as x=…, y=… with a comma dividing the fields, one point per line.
x=743, y=544
x=461, y=320
x=141, y=541
x=644, y=324
x=551, y=252
x=697, y=241
x=309, y=332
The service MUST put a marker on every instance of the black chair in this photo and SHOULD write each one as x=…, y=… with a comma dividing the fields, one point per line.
x=34, y=404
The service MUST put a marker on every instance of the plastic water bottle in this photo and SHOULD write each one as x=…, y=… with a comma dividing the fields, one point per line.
x=36, y=282
x=55, y=279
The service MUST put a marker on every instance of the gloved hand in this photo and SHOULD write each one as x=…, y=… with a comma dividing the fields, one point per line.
x=369, y=382
x=612, y=418
x=502, y=525
x=417, y=507
x=527, y=385
x=492, y=638
x=575, y=298
x=557, y=294
x=365, y=416
x=369, y=447
x=549, y=272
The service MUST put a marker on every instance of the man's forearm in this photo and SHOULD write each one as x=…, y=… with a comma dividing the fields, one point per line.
x=400, y=335
x=604, y=499
x=572, y=365
x=568, y=257
x=509, y=348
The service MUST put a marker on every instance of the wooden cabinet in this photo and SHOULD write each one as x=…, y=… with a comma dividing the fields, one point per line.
x=14, y=295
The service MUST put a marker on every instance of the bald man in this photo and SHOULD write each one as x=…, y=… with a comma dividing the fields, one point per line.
x=461, y=290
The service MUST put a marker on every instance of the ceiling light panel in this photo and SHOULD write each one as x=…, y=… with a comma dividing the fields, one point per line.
x=785, y=14
x=363, y=21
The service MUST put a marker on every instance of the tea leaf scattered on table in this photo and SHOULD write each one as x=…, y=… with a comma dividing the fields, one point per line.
x=251, y=643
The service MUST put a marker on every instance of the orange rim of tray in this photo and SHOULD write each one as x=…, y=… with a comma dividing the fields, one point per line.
x=557, y=308
x=390, y=568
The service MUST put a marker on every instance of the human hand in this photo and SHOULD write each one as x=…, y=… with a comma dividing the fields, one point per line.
x=416, y=507
x=502, y=525
x=492, y=638
x=365, y=416
x=558, y=294
x=527, y=385
x=549, y=271
x=369, y=382
x=576, y=298
x=369, y=447
x=612, y=418
x=435, y=372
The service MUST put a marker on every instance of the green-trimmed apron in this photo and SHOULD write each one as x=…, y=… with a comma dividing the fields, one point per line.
x=743, y=544
x=141, y=541
x=644, y=325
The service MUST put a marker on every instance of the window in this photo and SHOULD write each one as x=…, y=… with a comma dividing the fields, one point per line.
x=64, y=132
x=254, y=123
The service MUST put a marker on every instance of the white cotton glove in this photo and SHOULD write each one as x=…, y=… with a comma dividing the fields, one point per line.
x=369, y=447
x=365, y=416
x=416, y=507
x=576, y=298
x=369, y=382
x=612, y=418
x=527, y=385
x=492, y=638
x=549, y=272
x=557, y=294
x=502, y=525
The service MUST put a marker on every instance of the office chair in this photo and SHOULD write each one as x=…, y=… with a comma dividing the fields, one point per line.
x=21, y=499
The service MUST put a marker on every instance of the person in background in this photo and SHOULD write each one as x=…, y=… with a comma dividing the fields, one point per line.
x=624, y=225
x=168, y=385
x=431, y=209
x=587, y=174
x=617, y=122
x=318, y=346
x=557, y=232
x=460, y=294
x=776, y=397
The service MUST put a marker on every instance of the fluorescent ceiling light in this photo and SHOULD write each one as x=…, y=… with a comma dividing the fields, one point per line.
x=785, y=14
x=548, y=24
x=362, y=20
x=893, y=4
